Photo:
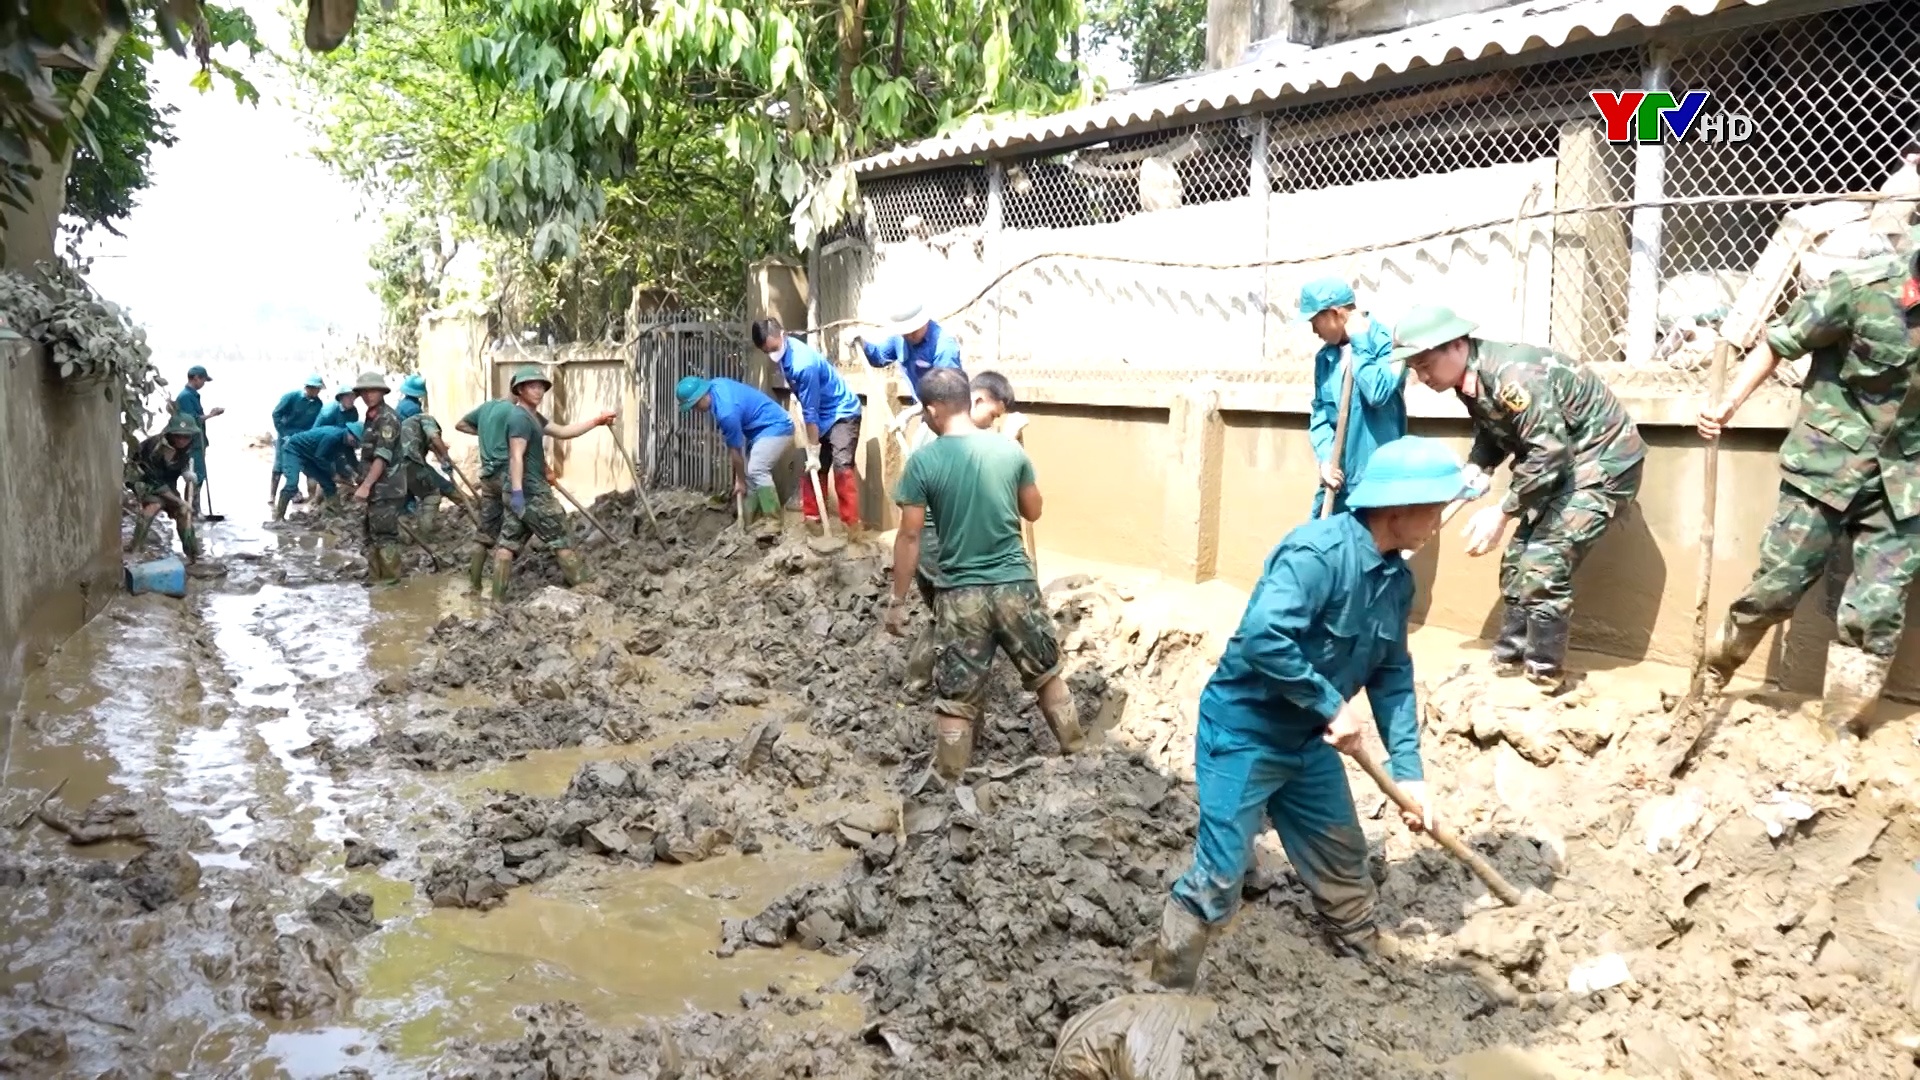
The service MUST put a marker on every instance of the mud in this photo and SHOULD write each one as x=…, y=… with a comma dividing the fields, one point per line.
x=524, y=782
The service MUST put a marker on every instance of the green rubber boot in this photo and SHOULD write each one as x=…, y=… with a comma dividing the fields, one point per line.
x=477, y=570
x=573, y=567
x=280, y=504
x=502, y=570
x=142, y=529
x=190, y=544
x=1181, y=948
x=391, y=564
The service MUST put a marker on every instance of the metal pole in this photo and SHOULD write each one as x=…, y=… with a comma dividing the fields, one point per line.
x=1643, y=267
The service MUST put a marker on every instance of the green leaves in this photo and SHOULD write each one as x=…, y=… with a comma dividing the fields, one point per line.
x=88, y=340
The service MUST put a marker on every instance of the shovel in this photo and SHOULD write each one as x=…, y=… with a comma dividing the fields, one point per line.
x=1442, y=835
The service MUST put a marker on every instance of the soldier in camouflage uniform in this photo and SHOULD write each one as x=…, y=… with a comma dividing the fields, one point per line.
x=419, y=434
x=1576, y=465
x=383, y=485
x=1850, y=470
x=516, y=482
x=152, y=475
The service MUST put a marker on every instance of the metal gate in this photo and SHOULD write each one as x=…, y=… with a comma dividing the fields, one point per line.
x=684, y=451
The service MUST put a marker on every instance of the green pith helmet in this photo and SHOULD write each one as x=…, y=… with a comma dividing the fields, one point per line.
x=370, y=380
x=527, y=374
x=182, y=424
x=1428, y=327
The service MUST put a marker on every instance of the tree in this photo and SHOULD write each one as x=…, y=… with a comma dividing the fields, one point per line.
x=1157, y=38
x=118, y=133
x=792, y=91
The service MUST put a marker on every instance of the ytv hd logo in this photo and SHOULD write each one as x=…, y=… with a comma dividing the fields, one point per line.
x=1638, y=115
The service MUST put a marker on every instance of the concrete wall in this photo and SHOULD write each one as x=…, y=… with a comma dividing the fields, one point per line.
x=60, y=544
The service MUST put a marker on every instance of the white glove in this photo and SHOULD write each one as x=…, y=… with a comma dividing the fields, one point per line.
x=1478, y=482
x=813, y=459
x=1417, y=791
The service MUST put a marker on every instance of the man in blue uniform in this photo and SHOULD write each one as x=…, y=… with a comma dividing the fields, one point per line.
x=321, y=454
x=413, y=397
x=1327, y=618
x=187, y=403
x=916, y=343
x=755, y=429
x=1376, y=413
x=832, y=414
x=295, y=413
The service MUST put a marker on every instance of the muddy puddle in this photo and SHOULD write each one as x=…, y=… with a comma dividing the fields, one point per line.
x=209, y=707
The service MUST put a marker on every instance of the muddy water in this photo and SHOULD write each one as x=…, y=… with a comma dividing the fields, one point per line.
x=205, y=703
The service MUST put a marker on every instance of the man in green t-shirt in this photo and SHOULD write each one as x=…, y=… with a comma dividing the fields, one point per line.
x=976, y=486
x=516, y=484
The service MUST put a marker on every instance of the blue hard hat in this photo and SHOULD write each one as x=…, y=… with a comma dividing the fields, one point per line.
x=1320, y=294
x=200, y=371
x=690, y=390
x=414, y=386
x=1409, y=471
x=356, y=429
x=315, y=382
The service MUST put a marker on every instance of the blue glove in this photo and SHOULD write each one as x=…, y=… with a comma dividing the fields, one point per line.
x=518, y=500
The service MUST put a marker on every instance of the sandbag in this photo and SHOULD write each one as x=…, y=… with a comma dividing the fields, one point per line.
x=1133, y=1037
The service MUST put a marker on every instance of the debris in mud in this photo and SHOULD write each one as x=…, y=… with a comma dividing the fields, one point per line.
x=350, y=915
x=159, y=878
x=361, y=853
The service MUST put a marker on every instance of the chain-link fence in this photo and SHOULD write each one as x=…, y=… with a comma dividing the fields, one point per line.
x=1177, y=253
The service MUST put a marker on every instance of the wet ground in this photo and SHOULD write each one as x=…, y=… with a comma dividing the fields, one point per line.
x=678, y=823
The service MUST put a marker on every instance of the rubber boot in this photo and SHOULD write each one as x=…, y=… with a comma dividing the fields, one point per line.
x=573, y=568
x=846, y=492
x=1855, y=678
x=1546, y=650
x=1510, y=645
x=920, y=659
x=430, y=511
x=477, y=570
x=763, y=507
x=190, y=544
x=142, y=529
x=1734, y=645
x=1182, y=945
x=1372, y=942
x=952, y=750
x=280, y=505
x=809, y=506
x=392, y=562
x=1063, y=716
x=502, y=570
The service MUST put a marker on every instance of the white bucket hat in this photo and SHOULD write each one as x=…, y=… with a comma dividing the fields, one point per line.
x=904, y=320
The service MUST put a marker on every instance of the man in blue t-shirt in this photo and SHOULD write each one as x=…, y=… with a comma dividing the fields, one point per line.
x=755, y=430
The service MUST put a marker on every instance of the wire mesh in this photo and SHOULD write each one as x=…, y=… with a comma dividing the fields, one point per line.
x=678, y=450
x=1639, y=289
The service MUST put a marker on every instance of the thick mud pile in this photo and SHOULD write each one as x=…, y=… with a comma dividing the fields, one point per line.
x=735, y=697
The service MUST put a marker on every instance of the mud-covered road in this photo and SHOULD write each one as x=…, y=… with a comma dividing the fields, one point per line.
x=678, y=824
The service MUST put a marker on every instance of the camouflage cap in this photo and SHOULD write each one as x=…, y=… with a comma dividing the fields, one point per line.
x=182, y=424
x=370, y=380
x=526, y=374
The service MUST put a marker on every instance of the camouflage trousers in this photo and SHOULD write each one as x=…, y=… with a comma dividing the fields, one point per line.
x=1801, y=541
x=970, y=622
x=1548, y=546
x=383, y=519
x=543, y=518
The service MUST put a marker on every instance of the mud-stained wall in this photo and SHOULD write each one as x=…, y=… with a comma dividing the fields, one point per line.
x=1104, y=476
x=59, y=556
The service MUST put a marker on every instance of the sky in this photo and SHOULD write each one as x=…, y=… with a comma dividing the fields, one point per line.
x=245, y=254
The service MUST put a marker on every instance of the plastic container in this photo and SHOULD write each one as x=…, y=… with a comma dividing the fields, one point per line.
x=167, y=576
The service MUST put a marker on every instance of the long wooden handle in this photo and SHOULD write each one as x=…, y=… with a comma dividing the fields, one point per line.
x=585, y=513
x=1340, y=431
x=533, y=538
x=415, y=537
x=1442, y=835
x=639, y=488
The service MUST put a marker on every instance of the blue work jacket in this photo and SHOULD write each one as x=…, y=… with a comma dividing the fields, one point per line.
x=333, y=415
x=938, y=349
x=188, y=401
x=1328, y=617
x=1377, y=414
x=295, y=413
x=324, y=448
x=408, y=407
x=824, y=397
x=746, y=415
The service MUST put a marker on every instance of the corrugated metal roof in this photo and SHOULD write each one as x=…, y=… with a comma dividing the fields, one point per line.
x=1501, y=32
